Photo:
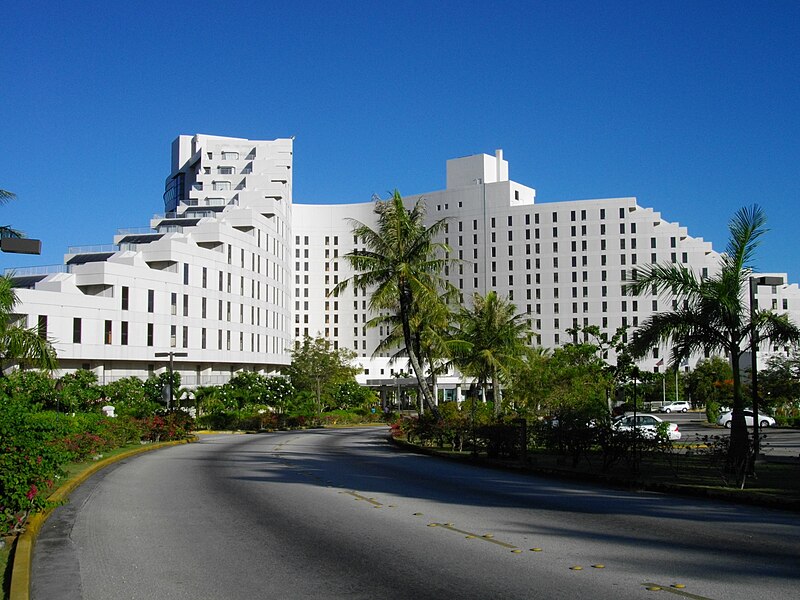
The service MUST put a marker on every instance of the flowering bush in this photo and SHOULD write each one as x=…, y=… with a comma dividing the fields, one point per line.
x=28, y=465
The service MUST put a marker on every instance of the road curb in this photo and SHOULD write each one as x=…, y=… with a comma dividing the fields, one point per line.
x=20, y=588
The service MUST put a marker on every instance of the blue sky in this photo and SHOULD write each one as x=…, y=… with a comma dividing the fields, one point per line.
x=692, y=107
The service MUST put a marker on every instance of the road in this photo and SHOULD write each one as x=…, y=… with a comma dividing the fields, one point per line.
x=344, y=514
x=777, y=441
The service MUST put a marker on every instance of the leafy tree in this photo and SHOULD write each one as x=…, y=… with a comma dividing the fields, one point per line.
x=80, y=392
x=432, y=337
x=495, y=342
x=18, y=344
x=246, y=388
x=780, y=383
x=279, y=391
x=711, y=383
x=34, y=389
x=318, y=368
x=402, y=266
x=156, y=388
x=350, y=395
x=713, y=315
x=128, y=397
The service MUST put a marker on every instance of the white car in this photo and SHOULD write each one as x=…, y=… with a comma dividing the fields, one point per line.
x=726, y=418
x=647, y=425
x=681, y=406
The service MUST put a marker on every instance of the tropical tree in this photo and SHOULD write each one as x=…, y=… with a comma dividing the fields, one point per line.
x=19, y=344
x=432, y=334
x=402, y=266
x=495, y=340
x=317, y=367
x=711, y=383
x=713, y=315
x=5, y=230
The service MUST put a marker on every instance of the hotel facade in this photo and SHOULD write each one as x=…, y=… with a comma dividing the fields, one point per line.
x=233, y=272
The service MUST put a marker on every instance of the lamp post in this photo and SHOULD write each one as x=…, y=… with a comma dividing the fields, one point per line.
x=171, y=356
x=754, y=283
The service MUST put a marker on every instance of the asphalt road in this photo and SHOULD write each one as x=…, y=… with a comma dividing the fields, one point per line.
x=777, y=441
x=343, y=514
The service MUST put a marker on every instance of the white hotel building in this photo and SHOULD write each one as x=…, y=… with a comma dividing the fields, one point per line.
x=233, y=272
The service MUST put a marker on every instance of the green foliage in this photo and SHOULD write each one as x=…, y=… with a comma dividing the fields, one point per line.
x=35, y=389
x=349, y=395
x=711, y=382
x=319, y=368
x=494, y=342
x=129, y=398
x=402, y=265
x=279, y=392
x=156, y=390
x=779, y=384
x=29, y=464
x=80, y=392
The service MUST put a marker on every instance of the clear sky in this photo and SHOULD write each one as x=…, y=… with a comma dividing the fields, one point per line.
x=692, y=107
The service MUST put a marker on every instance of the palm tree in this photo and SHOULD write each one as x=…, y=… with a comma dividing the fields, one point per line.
x=713, y=316
x=5, y=230
x=496, y=340
x=402, y=265
x=431, y=326
x=21, y=344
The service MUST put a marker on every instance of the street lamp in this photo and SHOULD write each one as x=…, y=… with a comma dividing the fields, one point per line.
x=171, y=356
x=754, y=283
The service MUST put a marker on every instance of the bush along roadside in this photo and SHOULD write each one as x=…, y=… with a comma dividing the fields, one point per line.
x=35, y=446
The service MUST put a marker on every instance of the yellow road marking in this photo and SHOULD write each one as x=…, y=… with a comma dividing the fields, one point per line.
x=672, y=590
x=358, y=496
x=450, y=527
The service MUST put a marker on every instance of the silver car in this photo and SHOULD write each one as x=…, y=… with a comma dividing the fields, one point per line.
x=726, y=418
x=647, y=426
x=681, y=406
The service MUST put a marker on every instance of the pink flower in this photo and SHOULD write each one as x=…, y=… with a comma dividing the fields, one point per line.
x=32, y=492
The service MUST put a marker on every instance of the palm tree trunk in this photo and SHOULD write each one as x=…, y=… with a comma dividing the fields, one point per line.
x=419, y=372
x=496, y=394
x=738, y=449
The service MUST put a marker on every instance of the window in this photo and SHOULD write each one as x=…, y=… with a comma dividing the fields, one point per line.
x=151, y=300
x=125, y=297
x=107, y=332
x=149, y=334
x=185, y=337
x=185, y=305
x=221, y=186
x=185, y=274
x=226, y=171
x=174, y=303
x=205, y=276
x=203, y=338
x=76, y=330
x=173, y=336
x=123, y=334
x=227, y=155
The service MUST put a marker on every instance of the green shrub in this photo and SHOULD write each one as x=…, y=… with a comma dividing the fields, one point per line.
x=29, y=464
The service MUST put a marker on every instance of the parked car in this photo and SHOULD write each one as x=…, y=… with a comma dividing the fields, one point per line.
x=681, y=406
x=726, y=418
x=647, y=425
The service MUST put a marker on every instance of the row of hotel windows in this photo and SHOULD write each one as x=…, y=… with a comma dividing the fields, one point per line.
x=554, y=215
x=77, y=335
